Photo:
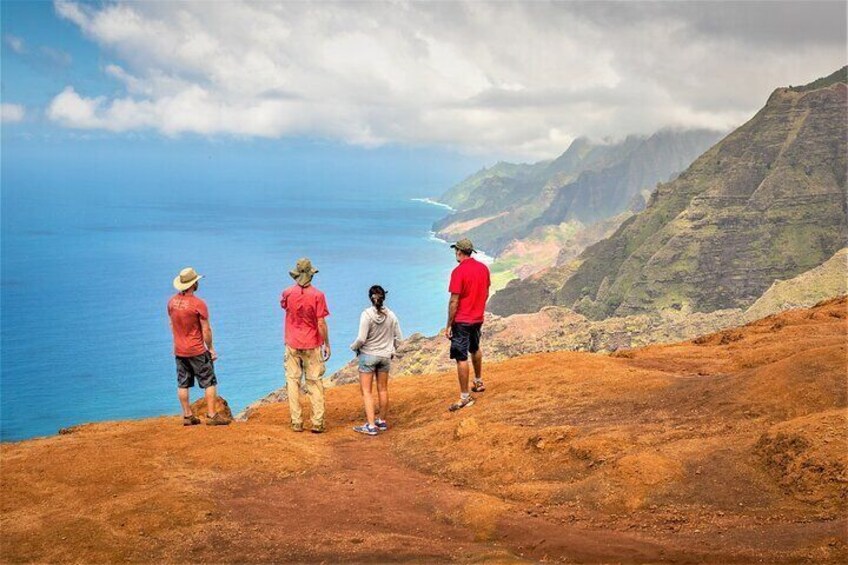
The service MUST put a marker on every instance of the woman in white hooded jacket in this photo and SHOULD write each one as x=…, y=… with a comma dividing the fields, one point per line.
x=378, y=339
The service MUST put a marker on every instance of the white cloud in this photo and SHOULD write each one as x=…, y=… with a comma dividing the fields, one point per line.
x=15, y=43
x=11, y=113
x=517, y=79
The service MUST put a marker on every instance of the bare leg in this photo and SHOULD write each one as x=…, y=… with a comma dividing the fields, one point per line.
x=367, y=399
x=383, y=393
x=462, y=373
x=477, y=361
x=211, y=392
x=182, y=394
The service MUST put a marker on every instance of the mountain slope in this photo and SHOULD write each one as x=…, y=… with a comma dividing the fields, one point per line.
x=768, y=202
x=587, y=183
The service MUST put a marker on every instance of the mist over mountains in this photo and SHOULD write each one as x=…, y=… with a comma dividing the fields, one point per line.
x=766, y=203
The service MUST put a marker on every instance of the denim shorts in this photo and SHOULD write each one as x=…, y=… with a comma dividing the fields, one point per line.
x=371, y=363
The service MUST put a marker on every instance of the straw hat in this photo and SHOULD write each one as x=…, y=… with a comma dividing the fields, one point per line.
x=186, y=279
x=303, y=272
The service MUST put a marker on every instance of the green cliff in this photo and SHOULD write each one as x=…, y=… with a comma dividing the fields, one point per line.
x=590, y=182
x=766, y=203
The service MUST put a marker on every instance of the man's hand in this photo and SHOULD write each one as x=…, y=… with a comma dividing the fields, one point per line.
x=325, y=352
x=213, y=354
x=449, y=332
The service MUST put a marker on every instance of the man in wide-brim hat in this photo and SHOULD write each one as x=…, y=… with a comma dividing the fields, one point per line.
x=307, y=343
x=193, y=347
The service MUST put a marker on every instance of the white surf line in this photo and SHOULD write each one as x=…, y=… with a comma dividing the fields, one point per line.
x=432, y=202
x=481, y=255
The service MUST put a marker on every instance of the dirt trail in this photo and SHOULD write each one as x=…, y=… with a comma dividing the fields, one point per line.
x=364, y=505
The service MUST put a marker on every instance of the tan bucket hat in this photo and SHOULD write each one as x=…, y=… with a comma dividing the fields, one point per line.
x=186, y=279
x=465, y=246
x=303, y=272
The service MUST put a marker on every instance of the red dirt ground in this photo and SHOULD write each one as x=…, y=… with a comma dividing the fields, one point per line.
x=730, y=448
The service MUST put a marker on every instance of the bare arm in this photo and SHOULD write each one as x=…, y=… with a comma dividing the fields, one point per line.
x=206, y=328
x=452, y=307
x=325, y=334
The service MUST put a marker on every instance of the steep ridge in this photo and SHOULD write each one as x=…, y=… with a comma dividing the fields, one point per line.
x=825, y=281
x=768, y=202
x=587, y=183
x=727, y=449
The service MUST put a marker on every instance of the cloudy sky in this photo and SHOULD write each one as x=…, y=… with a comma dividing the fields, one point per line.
x=518, y=80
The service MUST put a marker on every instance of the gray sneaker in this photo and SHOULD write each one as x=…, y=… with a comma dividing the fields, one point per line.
x=217, y=420
x=191, y=420
x=462, y=403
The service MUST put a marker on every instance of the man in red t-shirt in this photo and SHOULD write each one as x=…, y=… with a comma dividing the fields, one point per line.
x=193, y=348
x=469, y=290
x=307, y=344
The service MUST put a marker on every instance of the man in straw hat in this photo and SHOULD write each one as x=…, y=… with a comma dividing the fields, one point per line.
x=307, y=343
x=193, y=347
x=469, y=290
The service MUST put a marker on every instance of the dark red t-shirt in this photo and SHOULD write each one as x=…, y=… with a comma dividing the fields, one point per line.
x=186, y=311
x=304, y=307
x=470, y=280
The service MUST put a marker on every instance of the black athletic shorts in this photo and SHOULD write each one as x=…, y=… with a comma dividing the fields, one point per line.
x=465, y=340
x=199, y=367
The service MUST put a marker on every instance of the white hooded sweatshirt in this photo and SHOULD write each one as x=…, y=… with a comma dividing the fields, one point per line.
x=379, y=333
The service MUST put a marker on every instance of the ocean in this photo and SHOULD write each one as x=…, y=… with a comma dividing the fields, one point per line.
x=86, y=278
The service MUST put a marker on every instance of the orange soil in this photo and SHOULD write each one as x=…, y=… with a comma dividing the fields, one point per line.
x=731, y=448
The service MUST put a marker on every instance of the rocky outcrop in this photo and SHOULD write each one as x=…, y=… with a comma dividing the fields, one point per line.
x=552, y=329
x=768, y=202
x=198, y=408
x=807, y=289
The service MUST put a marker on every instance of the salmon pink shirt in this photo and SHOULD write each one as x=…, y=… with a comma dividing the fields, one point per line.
x=304, y=307
x=186, y=311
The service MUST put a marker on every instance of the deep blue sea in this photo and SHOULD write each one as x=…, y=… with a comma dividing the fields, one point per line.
x=86, y=276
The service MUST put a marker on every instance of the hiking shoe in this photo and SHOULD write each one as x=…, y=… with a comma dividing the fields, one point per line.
x=217, y=420
x=381, y=424
x=298, y=427
x=462, y=403
x=318, y=428
x=478, y=386
x=366, y=429
x=191, y=420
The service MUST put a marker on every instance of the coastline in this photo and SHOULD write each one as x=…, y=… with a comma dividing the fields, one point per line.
x=482, y=256
x=432, y=202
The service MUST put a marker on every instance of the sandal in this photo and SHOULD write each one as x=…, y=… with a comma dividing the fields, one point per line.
x=461, y=403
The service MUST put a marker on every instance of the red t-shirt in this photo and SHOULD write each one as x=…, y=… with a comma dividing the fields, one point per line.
x=304, y=307
x=186, y=311
x=470, y=280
